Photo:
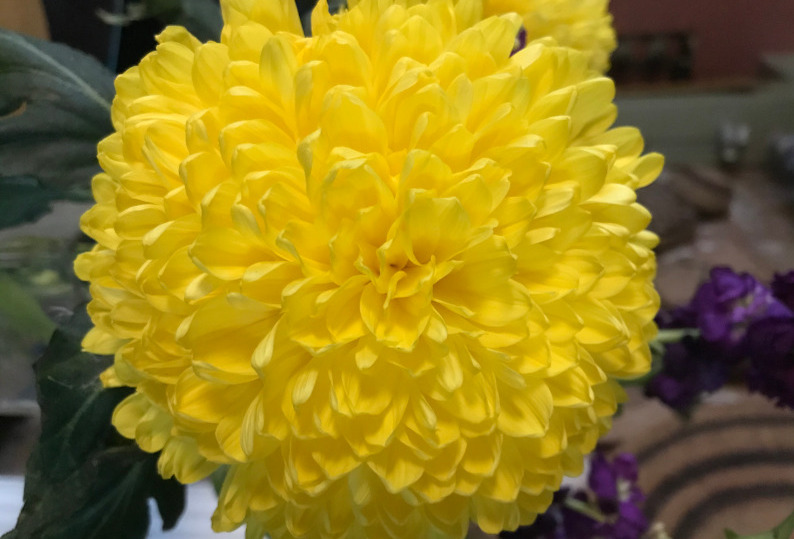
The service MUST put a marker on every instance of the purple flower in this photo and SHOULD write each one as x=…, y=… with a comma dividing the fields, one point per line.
x=577, y=525
x=690, y=368
x=625, y=466
x=614, y=485
x=603, y=478
x=783, y=288
x=770, y=347
x=723, y=310
x=677, y=318
x=632, y=523
x=612, y=492
x=729, y=302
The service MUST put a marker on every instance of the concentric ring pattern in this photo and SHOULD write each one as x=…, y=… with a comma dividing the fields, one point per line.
x=729, y=466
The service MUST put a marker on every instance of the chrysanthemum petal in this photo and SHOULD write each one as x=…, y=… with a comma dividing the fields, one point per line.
x=387, y=273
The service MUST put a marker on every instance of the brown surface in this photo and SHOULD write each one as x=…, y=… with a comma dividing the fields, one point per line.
x=24, y=16
x=730, y=465
x=729, y=36
x=756, y=236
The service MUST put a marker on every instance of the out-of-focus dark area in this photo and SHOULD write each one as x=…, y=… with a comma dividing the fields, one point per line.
x=709, y=83
x=88, y=25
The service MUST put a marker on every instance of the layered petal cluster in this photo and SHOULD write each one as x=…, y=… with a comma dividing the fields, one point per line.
x=585, y=25
x=388, y=273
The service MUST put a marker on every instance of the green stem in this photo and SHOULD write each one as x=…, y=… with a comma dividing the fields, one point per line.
x=581, y=507
x=667, y=336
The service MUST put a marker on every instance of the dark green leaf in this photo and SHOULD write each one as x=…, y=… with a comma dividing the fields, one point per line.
x=23, y=199
x=83, y=480
x=160, y=8
x=784, y=530
x=218, y=477
x=201, y=17
x=305, y=8
x=170, y=498
x=21, y=312
x=54, y=108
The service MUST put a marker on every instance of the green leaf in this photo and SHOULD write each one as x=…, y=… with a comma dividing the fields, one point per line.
x=305, y=8
x=23, y=199
x=158, y=8
x=218, y=477
x=54, y=108
x=21, y=312
x=83, y=480
x=170, y=498
x=201, y=17
x=784, y=530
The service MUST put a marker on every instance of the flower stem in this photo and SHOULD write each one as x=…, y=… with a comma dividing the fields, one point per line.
x=581, y=507
x=666, y=336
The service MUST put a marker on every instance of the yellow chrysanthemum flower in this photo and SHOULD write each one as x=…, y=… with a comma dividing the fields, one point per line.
x=388, y=273
x=585, y=25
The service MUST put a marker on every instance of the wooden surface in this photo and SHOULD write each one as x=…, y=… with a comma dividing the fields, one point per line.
x=24, y=16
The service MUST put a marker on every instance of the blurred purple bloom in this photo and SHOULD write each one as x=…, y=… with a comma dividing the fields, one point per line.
x=625, y=467
x=691, y=367
x=614, y=485
x=729, y=302
x=783, y=288
x=632, y=523
x=677, y=318
x=612, y=491
x=770, y=347
x=603, y=478
x=723, y=310
x=576, y=525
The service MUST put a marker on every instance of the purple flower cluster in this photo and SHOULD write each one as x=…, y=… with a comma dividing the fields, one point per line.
x=783, y=288
x=769, y=345
x=745, y=330
x=608, y=508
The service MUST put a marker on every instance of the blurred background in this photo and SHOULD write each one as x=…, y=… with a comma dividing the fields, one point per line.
x=711, y=86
